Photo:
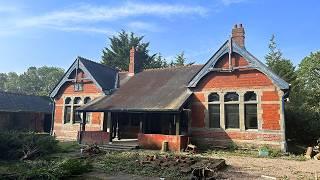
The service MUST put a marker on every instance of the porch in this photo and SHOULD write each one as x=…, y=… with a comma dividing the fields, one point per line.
x=147, y=130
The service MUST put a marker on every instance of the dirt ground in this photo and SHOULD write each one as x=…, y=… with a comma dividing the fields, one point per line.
x=248, y=168
x=259, y=168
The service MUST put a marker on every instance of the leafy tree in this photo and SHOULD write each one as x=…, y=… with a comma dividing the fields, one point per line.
x=36, y=81
x=180, y=60
x=159, y=62
x=118, y=54
x=281, y=66
x=309, y=81
x=3, y=81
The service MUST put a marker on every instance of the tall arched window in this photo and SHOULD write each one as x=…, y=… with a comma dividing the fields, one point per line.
x=214, y=110
x=77, y=102
x=88, y=114
x=67, y=110
x=250, y=108
x=231, y=109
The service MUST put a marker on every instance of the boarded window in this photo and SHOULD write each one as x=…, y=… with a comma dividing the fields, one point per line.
x=67, y=114
x=214, y=115
x=251, y=121
x=232, y=115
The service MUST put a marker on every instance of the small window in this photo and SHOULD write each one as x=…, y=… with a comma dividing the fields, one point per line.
x=231, y=96
x=232, y=115
x=214, y=115
x=77, y=101
x=67, y=100
x=213, y=97
x=250, y=96
x=88, y=114
x=67, y=114
x=78, y=86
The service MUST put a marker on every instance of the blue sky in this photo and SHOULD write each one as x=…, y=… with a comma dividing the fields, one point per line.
x=53, y=33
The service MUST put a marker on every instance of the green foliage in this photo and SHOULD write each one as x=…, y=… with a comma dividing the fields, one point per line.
x=180, y=60
x=272, y=152
x=118, y=54
x=14, y=143
x=281, y=66
x=35, y=81
x=52, y=170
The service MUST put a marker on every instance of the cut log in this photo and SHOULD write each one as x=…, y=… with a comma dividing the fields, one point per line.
x=308, y=153
x=317, y=156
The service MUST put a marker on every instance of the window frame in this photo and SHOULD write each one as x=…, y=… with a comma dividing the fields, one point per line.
x=250, y=102
x=216, y=103
x=238, y=102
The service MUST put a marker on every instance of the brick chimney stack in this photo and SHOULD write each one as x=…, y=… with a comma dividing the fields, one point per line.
x=238, y=35
x=134, y=67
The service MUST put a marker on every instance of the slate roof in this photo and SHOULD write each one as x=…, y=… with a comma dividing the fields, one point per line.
x=254, y=63
x=103, y=76
x=13, y=102
x=151, y=90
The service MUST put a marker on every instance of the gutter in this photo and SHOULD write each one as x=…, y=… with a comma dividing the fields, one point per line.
x=285, y=95
x=52, y=116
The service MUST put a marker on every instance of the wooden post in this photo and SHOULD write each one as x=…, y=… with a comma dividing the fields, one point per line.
x=109, y=126
x=82, y=126
x=177, y=120
x=141, y=125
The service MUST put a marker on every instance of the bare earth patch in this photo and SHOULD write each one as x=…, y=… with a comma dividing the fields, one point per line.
x=255, y=168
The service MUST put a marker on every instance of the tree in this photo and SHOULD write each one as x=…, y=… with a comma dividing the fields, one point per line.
x=281, y=66
x=3, y=81
x=180, y=60
x=309, y=81
x=118, y=54
x=35, y=81
x=159, y=62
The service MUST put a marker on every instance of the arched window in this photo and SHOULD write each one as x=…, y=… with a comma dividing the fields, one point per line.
x=67, y=110
x=231, y=100
x=77, y=102
x=214, y=110
x=88, y=114
x=250, y=108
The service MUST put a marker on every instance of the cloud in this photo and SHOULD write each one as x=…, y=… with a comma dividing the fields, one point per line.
x=144, y=26
x=84, y=14
x=229, y=2
x=8, y=9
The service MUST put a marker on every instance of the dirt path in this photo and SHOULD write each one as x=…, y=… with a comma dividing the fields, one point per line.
x=255, y=168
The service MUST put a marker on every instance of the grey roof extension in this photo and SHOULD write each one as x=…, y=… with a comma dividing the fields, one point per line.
x=103, y=76
x=13, y=102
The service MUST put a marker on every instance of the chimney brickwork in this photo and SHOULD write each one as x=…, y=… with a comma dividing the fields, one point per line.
x=134, y=65
x=238, y=35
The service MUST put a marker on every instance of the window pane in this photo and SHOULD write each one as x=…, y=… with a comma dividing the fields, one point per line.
x=67, y=101
x=232, y=115
x=231, y=96
x=86, y=100
x=76, y=115
x=67, y=114
x=213, y=97
x=250, y=96
x=214, y=115
x=251, y=120
x=78, y=86
x=88, y=117
x=77, y=100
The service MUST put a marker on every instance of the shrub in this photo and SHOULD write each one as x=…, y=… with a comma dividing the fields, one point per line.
x=15, y=145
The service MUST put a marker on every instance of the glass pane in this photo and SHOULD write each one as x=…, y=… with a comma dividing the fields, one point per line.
x=232, y=115
x=88, y=117
x=231, y=96
x=250, y=96
x=67, y=101
x=76, y=115
x=78, y=86
x=67, y=114
x=86, y=100
x=213, y=97
x=77, y=100
x=251, y=120
x=214, y=115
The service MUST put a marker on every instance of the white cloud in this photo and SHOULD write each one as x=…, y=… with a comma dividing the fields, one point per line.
x=229, y=2
x=8, y=9
x=93, y=14
x=144, y=26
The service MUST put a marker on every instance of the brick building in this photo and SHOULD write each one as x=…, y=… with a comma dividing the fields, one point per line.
x=233, y=98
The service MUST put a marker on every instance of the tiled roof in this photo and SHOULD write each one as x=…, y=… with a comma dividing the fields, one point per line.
x=150, y=90
x=13, y=102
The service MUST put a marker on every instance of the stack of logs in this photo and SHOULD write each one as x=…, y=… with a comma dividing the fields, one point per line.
x=314, y=151
x=198, y=168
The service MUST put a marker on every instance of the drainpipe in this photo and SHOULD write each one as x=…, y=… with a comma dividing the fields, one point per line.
x=285, y=95
x=52, y=116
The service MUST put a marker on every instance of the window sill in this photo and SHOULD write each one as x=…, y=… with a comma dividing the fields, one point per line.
x=252, y=130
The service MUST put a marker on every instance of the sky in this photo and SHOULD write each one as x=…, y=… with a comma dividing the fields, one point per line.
x=54, y=33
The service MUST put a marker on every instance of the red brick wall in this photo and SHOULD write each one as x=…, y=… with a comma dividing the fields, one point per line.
x=70, y=131
x=238, y=80
x=154, y=141
x=94, y=137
